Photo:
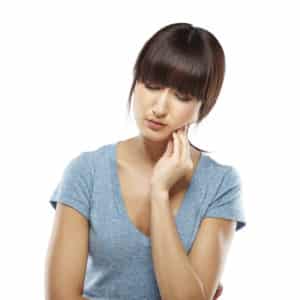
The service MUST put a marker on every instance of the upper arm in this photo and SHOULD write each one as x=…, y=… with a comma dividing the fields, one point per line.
x=209, y=251
x=224, y=215
x=68, y=247
x=67, y=254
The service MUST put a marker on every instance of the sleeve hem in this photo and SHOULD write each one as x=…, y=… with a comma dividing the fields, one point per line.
x=240, y=223
x=75, y=205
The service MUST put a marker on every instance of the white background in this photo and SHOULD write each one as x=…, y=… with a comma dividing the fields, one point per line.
x=65, y=72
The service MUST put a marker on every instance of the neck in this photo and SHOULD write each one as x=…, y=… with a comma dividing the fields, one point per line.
x=149, y=150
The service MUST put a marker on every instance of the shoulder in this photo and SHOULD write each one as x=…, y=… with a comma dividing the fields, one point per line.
x=99, y=154
x=216, y=172
x=86, y=162
x=217, y=166
x=223, y=192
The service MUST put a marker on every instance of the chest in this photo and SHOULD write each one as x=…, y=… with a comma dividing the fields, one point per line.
x=134, y=188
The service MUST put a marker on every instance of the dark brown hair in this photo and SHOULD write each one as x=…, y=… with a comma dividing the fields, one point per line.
x=186, y=58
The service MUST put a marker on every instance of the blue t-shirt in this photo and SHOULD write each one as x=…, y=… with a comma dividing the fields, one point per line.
x=119, y=264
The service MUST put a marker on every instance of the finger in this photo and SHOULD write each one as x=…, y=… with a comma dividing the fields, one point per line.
x=168, y=149
x=187, y=150
x=188, y=146
x=187, y=141
x=218, y=292
x=176, y=146
x=183, y=151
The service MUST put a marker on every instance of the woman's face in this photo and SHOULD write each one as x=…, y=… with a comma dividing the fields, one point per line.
x=165, y=106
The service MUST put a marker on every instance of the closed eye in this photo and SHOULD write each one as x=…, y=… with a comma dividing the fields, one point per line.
x=148, y=86
x=181, y=97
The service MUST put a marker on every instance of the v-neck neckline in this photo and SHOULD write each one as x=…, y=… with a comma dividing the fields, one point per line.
x=120, y=203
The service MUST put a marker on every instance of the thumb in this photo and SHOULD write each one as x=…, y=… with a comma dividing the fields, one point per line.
x=169, y=148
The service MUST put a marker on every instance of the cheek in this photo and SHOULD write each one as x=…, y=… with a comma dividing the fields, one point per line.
x=138, y=106
x=136, y=103
x=185, y=113
x=141, y=102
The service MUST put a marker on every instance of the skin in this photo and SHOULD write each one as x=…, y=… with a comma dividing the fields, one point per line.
x=166, y=151
x=175, y=162
x=164, y=106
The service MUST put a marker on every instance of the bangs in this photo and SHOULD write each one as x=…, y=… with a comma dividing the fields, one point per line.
x=181, y=64
x=185, y=58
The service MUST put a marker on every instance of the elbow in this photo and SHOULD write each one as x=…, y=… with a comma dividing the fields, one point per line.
x=65, y=298
x=200, y=294
x=62, y=295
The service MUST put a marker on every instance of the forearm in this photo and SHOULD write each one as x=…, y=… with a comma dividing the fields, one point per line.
x=175, y=275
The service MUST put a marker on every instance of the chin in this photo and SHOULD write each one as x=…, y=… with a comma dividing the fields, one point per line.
x=155, y=136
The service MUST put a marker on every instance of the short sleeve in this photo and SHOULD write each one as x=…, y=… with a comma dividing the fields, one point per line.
x=75, y=186
x=227, y=203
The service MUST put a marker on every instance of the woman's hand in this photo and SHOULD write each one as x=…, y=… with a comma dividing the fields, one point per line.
x=174, y=163
x=218, y=292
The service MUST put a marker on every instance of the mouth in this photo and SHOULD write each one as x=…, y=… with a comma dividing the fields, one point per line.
x=156, y=122
x=154, y=125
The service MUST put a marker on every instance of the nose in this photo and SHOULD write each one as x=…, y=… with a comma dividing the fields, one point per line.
x=161, y=102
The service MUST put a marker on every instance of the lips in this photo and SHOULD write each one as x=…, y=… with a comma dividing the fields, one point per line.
x=156, y=122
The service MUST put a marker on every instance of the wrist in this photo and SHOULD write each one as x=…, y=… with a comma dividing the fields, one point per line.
x=157, y=191
x=156, y=184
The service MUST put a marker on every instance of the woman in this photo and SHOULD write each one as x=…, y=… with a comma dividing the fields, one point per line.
x=150, y=217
